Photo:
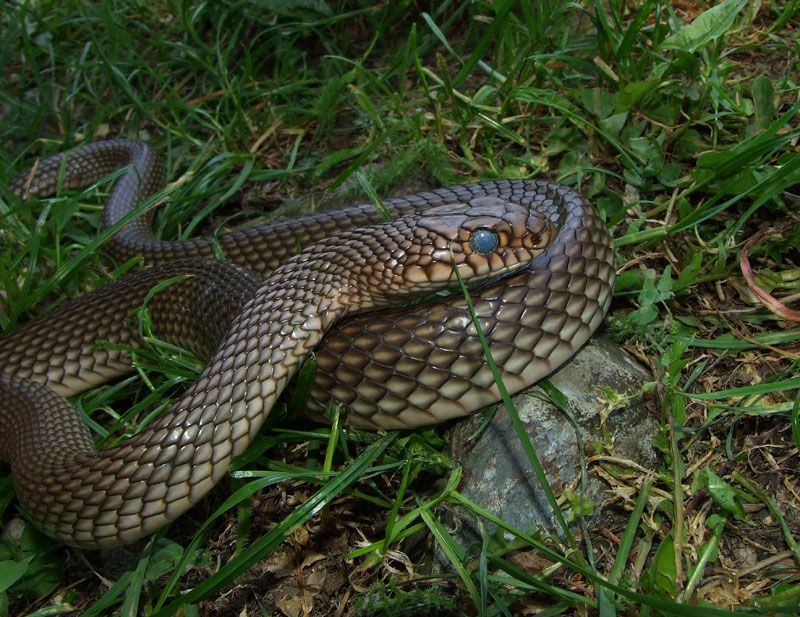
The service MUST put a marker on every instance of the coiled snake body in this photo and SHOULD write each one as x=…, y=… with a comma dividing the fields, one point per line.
x=257, y=321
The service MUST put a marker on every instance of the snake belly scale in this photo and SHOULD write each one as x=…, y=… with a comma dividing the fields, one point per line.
x=543, y=251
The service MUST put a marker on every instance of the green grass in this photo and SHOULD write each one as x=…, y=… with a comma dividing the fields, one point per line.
x=684, y=135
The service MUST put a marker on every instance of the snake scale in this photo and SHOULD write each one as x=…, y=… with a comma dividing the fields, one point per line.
x=542, y=251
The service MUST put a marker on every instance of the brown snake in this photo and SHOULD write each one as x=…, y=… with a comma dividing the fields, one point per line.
x=397, y=368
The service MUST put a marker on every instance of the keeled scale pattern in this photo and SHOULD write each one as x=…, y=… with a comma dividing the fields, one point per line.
x=65, y=349
x=422, y=365
x=105, y=499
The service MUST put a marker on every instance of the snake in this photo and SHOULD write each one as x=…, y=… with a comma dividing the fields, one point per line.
x=537, y=257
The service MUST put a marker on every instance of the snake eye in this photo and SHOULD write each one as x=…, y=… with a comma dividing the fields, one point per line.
x=483, y=241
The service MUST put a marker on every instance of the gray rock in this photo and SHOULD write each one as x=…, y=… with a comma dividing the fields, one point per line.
x=496, y=472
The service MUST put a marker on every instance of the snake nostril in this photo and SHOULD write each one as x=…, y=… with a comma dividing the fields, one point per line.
x=484, y=241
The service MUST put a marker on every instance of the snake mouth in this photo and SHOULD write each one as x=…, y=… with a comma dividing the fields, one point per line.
x=474, y=283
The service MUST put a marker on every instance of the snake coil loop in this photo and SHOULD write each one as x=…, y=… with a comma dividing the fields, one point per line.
x=257, y=320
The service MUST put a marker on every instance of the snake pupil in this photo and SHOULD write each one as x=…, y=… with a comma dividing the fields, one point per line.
x=484, y=241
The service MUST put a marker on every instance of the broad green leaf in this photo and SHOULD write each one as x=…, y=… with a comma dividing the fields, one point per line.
x=597, y=101
x=659, y=291
x=666, y=112
x=166, y=555
x=648, y=151
x=663, y=571
x=678, y=409
x=613, y=124
x=706, y=27
x=12, y=571
x=686, y=63
x=43, y=568
x=633, y=279
x=670, y=174
x=689, y=274
x=763, y=99
x=723, y=494
x=644, y=315
x=630, y=94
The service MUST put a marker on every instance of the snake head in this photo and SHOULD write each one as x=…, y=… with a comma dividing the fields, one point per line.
x=485, y=238
x=413, y=255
